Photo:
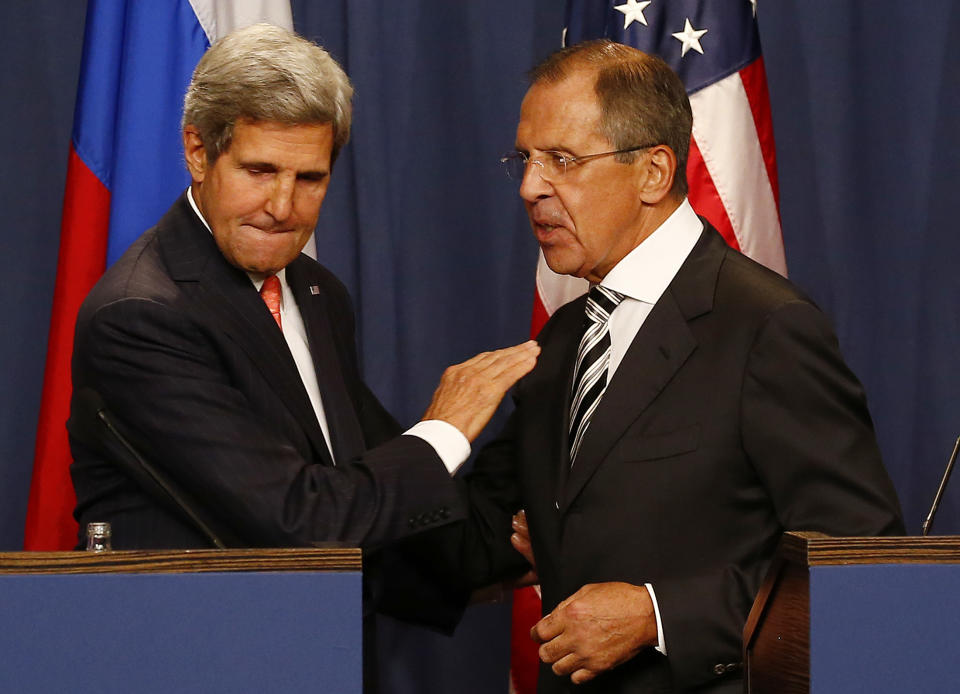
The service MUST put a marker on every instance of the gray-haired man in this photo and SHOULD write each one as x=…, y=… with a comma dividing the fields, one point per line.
x=227, y=358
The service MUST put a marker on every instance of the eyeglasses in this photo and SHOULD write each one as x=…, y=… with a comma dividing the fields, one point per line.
x=554, y=165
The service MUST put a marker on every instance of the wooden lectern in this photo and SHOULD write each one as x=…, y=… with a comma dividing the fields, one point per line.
x=278, y=620
x=856, y=614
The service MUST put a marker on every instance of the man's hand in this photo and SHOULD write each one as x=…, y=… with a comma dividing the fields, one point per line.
x=597, y=628
x=469, y=393
x=520, y=539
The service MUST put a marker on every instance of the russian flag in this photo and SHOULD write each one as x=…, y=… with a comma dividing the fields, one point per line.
x=125, y=169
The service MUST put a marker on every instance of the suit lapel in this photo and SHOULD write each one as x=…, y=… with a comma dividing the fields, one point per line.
x=659, y=350
x=226, y=297
x=545, y=397
x=346, y=435
x=551, y=381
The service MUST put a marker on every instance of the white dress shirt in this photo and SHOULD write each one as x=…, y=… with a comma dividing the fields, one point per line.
x=450, y=444
x=642, y=277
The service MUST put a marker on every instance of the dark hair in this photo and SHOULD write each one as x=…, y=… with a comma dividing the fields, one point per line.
x=641, y=99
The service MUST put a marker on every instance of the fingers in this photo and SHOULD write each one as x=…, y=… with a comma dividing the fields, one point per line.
x=521, y=543
x=560, y=650
x=565, y=665
x=469, y=393
x=499, y=358
x=520, y=539
x=546, y=629
x=503, y=367
x=496, y=354
x=566, y=660
x=520, y=523
x=582, y=675
x=573, y=665
x=597, y=628
x=504, y=363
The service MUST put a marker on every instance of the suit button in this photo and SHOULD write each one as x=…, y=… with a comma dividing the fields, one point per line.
x=444, y=512
x=412, y=522
x=719, y=669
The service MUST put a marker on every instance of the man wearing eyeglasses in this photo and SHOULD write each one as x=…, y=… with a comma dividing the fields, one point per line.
x=679, y=419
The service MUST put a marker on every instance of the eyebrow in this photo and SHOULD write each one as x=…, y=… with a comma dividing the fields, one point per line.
x=554, y=148
x=312, y=175
x=258, y=165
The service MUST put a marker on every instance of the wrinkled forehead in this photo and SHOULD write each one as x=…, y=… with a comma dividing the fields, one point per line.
x=560, y=115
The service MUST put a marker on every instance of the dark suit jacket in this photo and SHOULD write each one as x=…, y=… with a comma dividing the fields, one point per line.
x=731, y=418
x=195, y=373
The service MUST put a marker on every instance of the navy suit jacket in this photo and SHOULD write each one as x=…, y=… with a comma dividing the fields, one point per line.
x=731, y=418
x=195, y=374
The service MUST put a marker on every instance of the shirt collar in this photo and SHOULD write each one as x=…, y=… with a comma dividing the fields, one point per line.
x=193, y=204
x=645, y=272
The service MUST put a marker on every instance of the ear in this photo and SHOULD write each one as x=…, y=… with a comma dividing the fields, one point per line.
x=194, y=153
x=660, y=167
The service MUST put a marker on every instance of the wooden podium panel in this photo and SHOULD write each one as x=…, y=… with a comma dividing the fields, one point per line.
x=848, y=615
x=191, y=621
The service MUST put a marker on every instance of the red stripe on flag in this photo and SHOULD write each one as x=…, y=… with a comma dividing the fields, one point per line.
x=527, y=609
x=704, y=197
x=524, y=651
x=754, y=77
x=83, y=252
x=540, y=315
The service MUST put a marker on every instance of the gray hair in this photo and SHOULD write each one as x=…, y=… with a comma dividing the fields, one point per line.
x=641, y=99
x=265, y=73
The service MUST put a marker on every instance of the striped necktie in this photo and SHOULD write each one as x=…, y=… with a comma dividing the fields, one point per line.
x=590, y=371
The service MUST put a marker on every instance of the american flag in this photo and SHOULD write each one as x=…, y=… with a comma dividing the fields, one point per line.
x=714, y=45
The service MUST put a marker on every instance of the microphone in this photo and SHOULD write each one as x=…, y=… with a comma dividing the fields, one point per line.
x=88, y=400
x=928, y=523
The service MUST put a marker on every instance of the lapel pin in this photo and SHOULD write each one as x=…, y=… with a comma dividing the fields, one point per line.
x=314, y=289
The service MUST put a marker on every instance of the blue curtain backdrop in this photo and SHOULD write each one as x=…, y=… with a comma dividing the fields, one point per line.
x=433, y=244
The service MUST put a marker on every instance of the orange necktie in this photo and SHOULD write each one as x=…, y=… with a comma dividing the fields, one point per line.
x=270, y=293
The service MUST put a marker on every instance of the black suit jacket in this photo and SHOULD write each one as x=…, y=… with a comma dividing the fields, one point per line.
x=195, y=373
x=731, y=418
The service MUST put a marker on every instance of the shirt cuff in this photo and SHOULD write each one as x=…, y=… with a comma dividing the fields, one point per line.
x=448, y=441
x=661, y=644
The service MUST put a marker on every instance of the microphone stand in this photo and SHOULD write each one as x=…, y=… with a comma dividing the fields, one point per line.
x=928, y=523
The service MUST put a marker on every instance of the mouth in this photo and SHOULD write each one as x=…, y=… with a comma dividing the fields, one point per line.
x=543, y=232
x=545, y=228
x=267, y=230
x=546, y=224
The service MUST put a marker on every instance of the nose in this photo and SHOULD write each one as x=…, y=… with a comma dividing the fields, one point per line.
x=279, y=202
x=533, y=186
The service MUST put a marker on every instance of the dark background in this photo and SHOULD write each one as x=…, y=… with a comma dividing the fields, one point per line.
x=433, y=242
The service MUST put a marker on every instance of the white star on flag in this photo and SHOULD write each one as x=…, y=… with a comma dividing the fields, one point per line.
x=633, y=12
x=690, y=38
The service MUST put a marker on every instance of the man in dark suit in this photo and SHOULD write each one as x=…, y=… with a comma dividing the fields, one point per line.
x=678, y=420
x=237, y=417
